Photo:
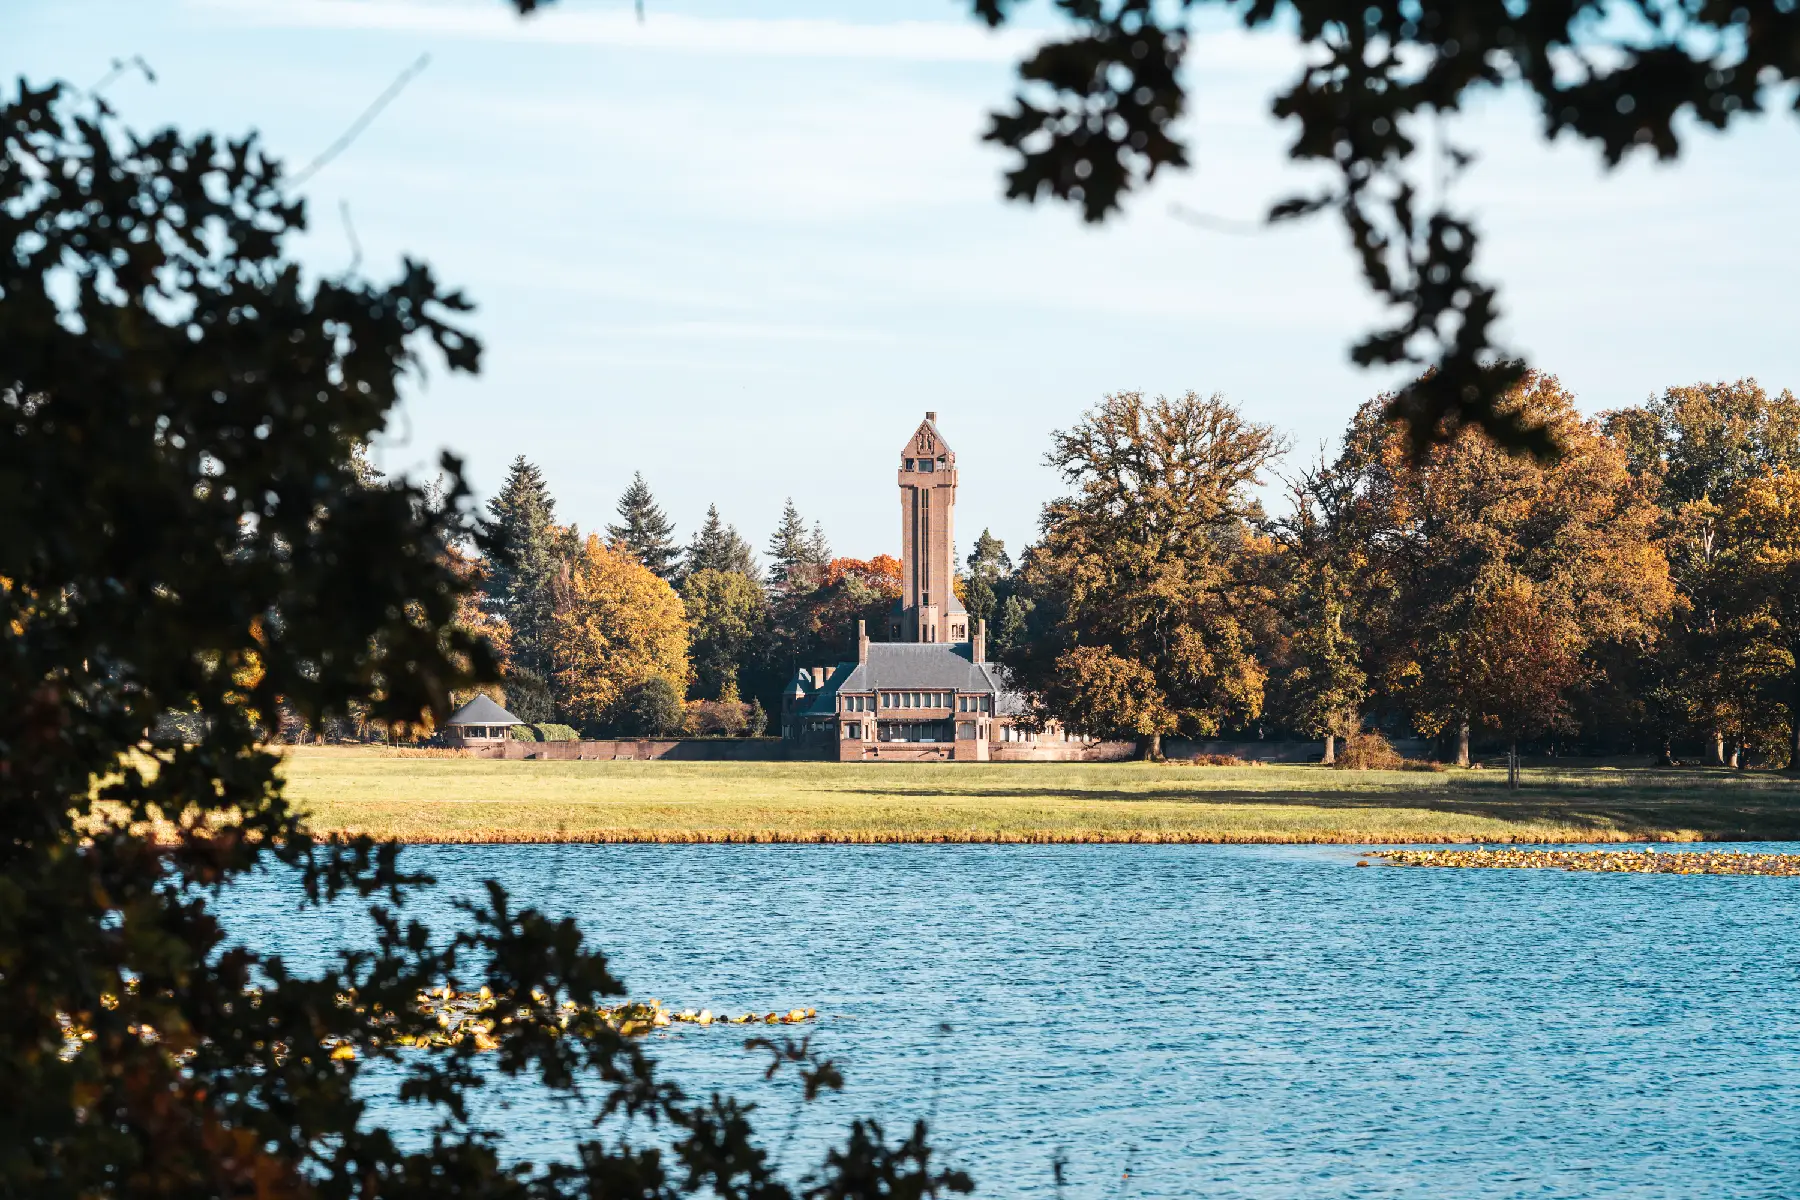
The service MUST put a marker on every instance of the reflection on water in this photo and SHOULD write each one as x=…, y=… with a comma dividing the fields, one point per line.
x=1226, y=1021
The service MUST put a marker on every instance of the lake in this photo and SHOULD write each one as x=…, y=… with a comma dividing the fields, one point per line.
x=1230, y=1021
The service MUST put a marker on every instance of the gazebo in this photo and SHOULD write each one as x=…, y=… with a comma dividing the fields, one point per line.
x=479, y=722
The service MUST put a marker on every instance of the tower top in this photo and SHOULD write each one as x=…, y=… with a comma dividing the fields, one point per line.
x=926, y=450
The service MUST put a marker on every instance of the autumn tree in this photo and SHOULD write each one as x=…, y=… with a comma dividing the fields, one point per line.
x=1760, y=528
x=617, y=625
x=645, y=531
x=1469, y=534
x=727, y=613
x=1146, y=575
x=1696, y=448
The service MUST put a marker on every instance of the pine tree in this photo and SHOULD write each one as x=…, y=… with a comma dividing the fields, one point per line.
x=1010, y=634
x=646, y=531
x=988, y=581
x=529, y=551
x=719, y=547
x=818, y=547
x=788, y=545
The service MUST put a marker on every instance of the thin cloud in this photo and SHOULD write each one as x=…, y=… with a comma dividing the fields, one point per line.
x=902, y=41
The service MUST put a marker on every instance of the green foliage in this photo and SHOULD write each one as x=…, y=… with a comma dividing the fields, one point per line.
x=797, y=557
x=1319, y=685
x=988, y=580
x=646, y=531
x=718, y=547
x=727, y=613
x=557, y=733
x=187, y=531
x=528, y=696
x=653, y=708
x=529, y=551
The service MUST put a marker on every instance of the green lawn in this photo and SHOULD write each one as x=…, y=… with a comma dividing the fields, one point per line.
x=445, y=799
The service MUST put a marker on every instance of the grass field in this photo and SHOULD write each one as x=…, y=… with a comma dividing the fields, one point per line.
x=445, y=799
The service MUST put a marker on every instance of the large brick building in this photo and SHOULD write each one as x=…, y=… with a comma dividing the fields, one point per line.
x=928, y=692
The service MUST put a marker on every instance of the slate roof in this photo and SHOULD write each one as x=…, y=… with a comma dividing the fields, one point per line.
x=482, y=711
x=915, y=666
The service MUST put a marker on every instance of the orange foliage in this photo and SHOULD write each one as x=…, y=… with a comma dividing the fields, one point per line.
x=881, y=572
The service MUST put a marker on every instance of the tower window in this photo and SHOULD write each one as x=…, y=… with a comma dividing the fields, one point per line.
x=927, y=465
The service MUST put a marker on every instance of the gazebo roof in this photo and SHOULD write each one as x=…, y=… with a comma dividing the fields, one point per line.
x=482, y=711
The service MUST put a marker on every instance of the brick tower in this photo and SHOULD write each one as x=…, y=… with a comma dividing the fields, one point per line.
x=928, y=610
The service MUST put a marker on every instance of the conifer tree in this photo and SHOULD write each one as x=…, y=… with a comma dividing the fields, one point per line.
x=645, y=530
x=989, y=569
x=529, y=550
x=788, y=545
x=719, y=547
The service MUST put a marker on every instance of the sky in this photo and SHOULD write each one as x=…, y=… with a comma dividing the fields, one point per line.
x=744, y=247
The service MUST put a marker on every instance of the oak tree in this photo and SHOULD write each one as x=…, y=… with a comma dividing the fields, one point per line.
x=1146, y=579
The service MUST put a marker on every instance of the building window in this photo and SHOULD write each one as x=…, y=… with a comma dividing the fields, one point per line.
x=965, y=731
x=909, y=464
x=912, y=731
x=927, y=465
x=853, y=732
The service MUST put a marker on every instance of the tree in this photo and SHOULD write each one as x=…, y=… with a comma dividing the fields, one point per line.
x=1012, y=631
x=188, y=532
x=718, y=547
x=1515, y=661
x=617, y=626
x=1436, y=539
x=646, y=531
x=797, y=555
x=726, y=613
x=528, y=552
x=650, y=708
x=1149, y=572
x=1694, y=448
x=988, y=577
x=1761, y=527
x=1319, y=683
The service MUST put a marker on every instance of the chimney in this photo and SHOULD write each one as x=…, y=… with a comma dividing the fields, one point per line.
x=978, y=644
x=818, y=675
x=931, y=416
x=862, y=641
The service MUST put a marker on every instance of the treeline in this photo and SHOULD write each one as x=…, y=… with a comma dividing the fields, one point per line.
x=630, y=632
x=1639, y=592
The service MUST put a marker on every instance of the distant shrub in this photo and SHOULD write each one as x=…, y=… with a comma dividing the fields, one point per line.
x=716, y=718
x=1368, y=752
x=1216, y=760
x=557, y=733
x=651, y=709
x=524, y=733
x=527, y=697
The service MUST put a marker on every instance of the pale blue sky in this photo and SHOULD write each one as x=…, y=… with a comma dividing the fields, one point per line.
x=742, y=247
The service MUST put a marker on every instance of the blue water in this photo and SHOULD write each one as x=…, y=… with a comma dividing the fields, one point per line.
x=1222, y=1021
